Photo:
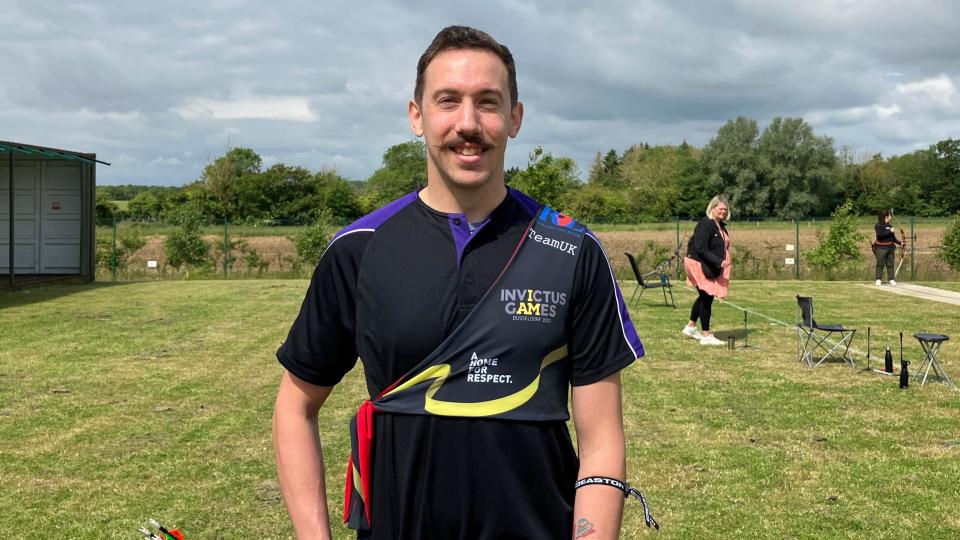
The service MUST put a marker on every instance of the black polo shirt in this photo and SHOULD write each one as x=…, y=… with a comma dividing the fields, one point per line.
x=388, y=290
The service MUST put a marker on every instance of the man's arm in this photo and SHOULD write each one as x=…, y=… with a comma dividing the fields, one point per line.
x=296, y=445
x=598, y=419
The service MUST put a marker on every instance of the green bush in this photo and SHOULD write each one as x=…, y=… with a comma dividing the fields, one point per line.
x=129, y=241
x=185, y=246
x=596, y=204
x=547, y=179
x=838, y=249
x=256, y=262
x=949, y=252
x=235, y=247
x=312, y=241
x=105, y=209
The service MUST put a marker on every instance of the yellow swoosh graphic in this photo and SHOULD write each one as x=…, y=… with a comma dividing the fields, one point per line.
x=480, y=408
x=358, y=485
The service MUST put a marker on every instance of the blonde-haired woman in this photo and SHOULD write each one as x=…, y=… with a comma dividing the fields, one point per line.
x=708, y=268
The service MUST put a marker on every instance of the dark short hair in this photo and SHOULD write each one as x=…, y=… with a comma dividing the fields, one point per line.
x=882, y=215
x=464, y=37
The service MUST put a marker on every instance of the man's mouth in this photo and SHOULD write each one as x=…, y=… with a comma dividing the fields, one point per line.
x=468, y=150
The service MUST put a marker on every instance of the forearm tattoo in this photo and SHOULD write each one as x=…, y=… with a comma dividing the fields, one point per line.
x=584, y=528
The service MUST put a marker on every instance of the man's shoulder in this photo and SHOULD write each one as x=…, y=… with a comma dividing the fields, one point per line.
x=372, y=221
x=547, y=214
x=350, y=242
x=528, y=204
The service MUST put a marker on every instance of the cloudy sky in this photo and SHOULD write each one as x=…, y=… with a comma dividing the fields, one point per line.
x=159, y=89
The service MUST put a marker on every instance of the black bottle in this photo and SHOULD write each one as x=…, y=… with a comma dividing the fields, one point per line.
x=888, y=361
x=904, y=374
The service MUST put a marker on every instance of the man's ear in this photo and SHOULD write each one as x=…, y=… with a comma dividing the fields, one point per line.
x=415, y=118
x=516, y=118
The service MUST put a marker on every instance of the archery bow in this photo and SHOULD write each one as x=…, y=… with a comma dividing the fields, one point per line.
x=903, y=252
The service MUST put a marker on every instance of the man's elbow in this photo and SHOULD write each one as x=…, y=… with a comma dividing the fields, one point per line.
x=612, y=446
x=298, y=398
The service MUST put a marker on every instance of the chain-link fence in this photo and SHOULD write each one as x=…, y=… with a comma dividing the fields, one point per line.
x=779, y=249
x=760, y=249
x=133, y=250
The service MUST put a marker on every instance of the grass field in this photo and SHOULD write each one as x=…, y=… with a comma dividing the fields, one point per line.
x=128, y=401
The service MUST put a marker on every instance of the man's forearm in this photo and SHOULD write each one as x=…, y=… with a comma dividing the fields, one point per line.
x=598, y=509
x=296, y=444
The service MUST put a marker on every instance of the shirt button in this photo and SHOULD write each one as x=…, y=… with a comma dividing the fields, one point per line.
x=456, y=221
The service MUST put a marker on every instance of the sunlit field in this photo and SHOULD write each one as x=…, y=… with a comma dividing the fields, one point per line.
x=123, y=402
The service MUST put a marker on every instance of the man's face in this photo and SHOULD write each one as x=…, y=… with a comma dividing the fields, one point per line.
x=465, y=117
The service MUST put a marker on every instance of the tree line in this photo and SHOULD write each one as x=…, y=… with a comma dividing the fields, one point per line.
x=785, y=171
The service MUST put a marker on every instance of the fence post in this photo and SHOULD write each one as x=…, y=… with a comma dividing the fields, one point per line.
x=113, y=251
x=913, y=241
x=796, y=262
x=226, y=246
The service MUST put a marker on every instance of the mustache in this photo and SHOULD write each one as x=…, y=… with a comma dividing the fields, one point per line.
x=467, y=138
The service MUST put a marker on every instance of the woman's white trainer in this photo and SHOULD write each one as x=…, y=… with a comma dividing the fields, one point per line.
x=710, y=340
x=691, y=332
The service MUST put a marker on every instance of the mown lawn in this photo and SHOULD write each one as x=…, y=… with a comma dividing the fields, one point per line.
x=949, y=285
x=124, y=402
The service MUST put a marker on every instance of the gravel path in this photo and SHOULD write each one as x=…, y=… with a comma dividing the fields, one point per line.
x=920, y=291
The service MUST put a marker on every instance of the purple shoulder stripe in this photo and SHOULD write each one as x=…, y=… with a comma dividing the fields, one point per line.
x=525, y=200
x=626, y=325
x=378, y=217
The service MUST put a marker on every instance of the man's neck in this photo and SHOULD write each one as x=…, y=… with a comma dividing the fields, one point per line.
x=475, y=204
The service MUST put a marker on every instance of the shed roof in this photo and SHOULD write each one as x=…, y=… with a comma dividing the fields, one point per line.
x=22, y=148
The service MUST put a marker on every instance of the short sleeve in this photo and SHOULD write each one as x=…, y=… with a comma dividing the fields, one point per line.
x=603, y=339
x=321, y=345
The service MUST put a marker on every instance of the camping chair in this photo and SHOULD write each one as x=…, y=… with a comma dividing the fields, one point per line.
x=645, y=282
x=813, y=336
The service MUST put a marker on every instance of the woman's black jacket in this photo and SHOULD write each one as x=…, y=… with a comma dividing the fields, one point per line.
x=885, y=236
x=706, y=244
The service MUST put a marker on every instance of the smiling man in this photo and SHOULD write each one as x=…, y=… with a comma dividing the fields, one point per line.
x=474, y=311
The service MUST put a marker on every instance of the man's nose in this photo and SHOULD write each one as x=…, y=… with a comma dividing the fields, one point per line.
x=469, y=119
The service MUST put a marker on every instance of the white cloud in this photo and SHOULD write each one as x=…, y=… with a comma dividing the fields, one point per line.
x=907, y=117
x=284, y=108
x=851, y=115
x=128, y=116
x=163, y=162
x=315, y=84
x=936, y=91
x=886, y=112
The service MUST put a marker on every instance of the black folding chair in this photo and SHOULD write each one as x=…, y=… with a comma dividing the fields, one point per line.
x=813, y=337
x=645, y=281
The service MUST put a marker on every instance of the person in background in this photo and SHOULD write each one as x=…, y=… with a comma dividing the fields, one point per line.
x=708, y=268
x=885, y=246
